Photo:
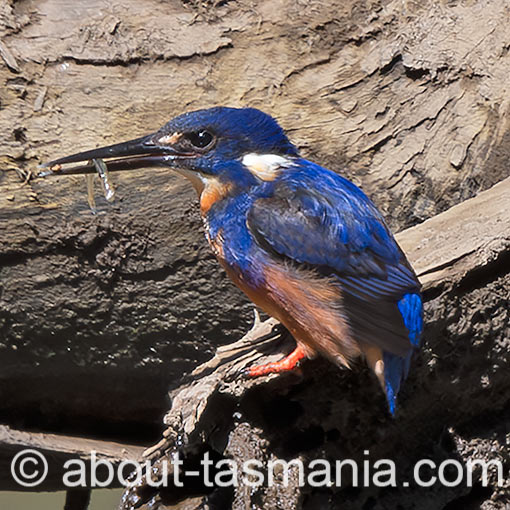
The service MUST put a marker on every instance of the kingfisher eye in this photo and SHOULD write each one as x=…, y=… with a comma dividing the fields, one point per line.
x=200, y=139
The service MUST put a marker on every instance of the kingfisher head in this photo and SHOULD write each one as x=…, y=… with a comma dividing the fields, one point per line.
x=240, y=145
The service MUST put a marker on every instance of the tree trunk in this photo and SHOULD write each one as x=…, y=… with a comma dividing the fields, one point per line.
x=410, y=100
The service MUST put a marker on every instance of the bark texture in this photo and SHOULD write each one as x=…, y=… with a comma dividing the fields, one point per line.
x=99, y=315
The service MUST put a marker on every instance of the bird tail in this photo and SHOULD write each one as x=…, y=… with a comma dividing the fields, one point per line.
x=396, y=367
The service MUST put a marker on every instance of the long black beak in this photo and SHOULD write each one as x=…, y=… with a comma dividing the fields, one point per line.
x=139, y=153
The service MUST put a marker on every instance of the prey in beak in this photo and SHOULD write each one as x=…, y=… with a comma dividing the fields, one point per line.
x=157, y=149
x=168, y=147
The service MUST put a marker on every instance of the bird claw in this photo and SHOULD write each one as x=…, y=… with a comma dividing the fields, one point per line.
x=243, y=373
x=286, y=364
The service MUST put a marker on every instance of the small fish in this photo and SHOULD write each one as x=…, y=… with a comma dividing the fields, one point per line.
x=108, y=189
x=102, y=170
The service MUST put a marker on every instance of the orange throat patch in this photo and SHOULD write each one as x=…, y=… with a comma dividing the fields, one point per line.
x=213, y=192
x=209, y=188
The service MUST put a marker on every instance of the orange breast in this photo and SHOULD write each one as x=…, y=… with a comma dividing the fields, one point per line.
x=309, y=306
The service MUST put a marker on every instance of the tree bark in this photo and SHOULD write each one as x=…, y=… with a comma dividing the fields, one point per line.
x=407, y=99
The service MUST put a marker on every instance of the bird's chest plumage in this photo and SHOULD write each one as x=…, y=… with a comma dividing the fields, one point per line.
x=215, y=240
x=228, y=235
x=308, y=305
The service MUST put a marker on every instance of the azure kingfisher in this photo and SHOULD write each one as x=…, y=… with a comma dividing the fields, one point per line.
x=302, y=242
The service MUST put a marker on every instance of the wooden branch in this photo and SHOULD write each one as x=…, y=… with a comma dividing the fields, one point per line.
x=57, y=448
x=461, y=241
x=447, y=251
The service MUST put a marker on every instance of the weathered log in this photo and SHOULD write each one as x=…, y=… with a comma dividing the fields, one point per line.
x=407, y=99
x=460, y=255
x=57, y=449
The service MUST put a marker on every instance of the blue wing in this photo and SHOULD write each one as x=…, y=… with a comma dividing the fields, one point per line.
x=316, y=218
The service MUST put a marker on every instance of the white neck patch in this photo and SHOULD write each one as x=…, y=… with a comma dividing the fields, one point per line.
x=266, y=167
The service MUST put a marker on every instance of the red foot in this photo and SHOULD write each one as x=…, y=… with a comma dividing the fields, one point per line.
x=284, y=365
